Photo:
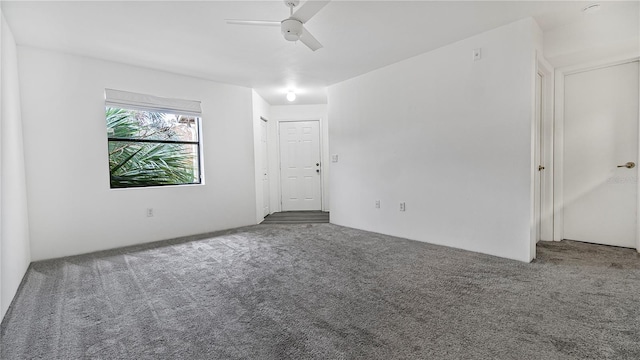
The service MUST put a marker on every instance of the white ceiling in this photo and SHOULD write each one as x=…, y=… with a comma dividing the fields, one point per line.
x=192, y=38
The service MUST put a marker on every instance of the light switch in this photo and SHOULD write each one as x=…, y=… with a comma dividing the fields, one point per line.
x=334, y=158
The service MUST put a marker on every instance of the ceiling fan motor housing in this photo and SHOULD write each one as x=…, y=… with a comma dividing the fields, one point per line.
x=291, y=29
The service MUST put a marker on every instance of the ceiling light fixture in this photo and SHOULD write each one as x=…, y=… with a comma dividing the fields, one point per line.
x=591, y=9
x=291, y=96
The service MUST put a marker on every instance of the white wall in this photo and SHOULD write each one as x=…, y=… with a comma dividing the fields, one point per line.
x=260, y=109
x=450, y=137
x=14, y=234
x=2, y=51
x=280, y=113
x=602, y=35
x=72, y=210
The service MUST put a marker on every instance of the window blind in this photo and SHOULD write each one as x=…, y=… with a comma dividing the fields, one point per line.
x=129, y=100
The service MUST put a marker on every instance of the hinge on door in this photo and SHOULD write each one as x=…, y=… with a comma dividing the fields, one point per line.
x=540, y=167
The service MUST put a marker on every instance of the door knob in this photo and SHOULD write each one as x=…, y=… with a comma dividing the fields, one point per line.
x=629, y=165
x=317, y=164
x=317, y=170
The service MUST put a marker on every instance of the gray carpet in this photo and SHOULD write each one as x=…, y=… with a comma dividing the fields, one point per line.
x=326, y=292
x=297, y=217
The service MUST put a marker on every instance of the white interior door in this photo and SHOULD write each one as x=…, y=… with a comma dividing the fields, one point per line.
x=544, y=153
x=537, y=201
x=265, y=169
x=600, y=137
x=300, y=165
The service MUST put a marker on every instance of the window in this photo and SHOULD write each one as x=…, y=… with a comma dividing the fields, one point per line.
x=152, y=141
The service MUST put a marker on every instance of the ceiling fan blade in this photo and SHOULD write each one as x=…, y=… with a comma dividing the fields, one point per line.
x=308, y=39
x=253, y=22
x=308, y=9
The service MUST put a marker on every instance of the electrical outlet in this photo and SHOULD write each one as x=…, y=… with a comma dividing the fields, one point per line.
x=150, y=212
x=403, y=206
x=377, y=204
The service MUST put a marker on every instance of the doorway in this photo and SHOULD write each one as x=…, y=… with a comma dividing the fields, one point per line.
x=300, y=166
x=600, y=155
x=264, y=166
x=543, y=160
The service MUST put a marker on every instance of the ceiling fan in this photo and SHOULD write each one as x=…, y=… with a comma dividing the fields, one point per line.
x=292, y=27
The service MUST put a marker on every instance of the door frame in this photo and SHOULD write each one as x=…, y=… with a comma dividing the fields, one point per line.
x=279, y=153
x=558, y=152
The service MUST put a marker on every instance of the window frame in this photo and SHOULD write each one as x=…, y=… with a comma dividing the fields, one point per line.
x=154, y=104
